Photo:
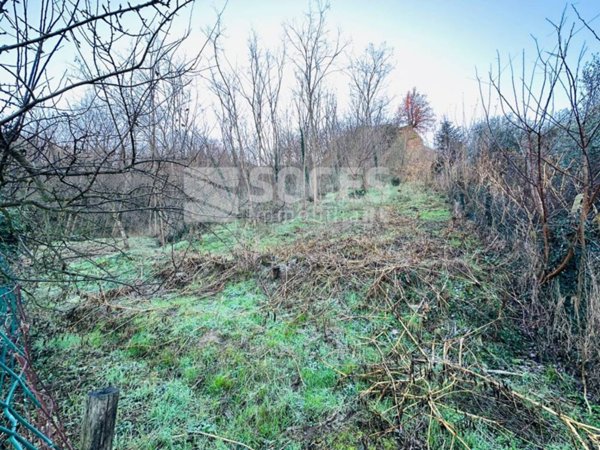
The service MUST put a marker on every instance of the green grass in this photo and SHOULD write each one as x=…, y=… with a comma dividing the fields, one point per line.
x=212, y=354
x=240, y=364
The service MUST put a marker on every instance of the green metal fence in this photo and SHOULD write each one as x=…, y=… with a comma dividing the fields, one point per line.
x=27, y=414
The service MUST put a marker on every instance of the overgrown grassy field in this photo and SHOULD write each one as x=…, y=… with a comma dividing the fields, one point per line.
x=370, y=322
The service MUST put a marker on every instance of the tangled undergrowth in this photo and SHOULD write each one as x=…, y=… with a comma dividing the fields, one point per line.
x=336, y=333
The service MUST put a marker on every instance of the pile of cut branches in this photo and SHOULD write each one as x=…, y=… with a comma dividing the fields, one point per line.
x=436, y=387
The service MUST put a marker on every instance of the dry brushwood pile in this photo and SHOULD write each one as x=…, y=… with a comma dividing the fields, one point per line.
x=416, y=315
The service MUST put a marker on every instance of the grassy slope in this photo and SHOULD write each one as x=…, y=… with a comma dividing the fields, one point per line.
x=226, y=347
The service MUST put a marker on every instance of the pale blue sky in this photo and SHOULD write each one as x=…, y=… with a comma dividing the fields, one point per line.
x=437, y=43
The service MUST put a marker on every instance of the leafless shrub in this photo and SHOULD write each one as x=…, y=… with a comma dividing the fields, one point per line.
x=531, y=179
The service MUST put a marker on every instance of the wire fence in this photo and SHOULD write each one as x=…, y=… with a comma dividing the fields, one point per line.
x=29, y=419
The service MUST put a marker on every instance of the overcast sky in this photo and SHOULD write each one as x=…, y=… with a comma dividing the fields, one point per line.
x=438, y=44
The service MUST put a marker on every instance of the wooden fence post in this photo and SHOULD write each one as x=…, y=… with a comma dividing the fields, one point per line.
x=98, y=428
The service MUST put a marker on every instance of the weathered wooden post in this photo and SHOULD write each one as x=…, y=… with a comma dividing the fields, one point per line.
x=98, y=428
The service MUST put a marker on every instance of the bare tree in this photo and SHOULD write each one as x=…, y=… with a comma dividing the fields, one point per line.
x=66, y=159
x=368, y=74
x=313, y=56
x=223, y=82
x=261, y=89
x=42, y=36
x=534, y=176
